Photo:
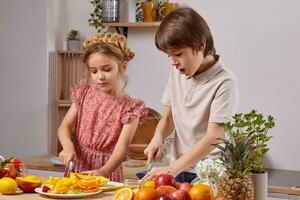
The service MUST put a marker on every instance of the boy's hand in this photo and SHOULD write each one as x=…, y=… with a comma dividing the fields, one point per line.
x=154, y=150
x=66, y=155
x=157, y=171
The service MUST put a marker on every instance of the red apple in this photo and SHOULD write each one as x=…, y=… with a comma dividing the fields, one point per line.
x=185, y=186
x=165, y=197
x=180, y=195
x=165, y=190
x=164, y=179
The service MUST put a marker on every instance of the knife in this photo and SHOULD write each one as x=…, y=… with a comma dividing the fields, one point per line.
x=68, y=169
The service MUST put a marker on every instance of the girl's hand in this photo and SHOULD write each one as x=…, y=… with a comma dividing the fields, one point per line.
x=154, y=150
x=66, y=155
x=157, y=171
x=96, y=172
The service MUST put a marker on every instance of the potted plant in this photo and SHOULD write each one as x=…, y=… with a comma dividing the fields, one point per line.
x=254, y=127
x=73, y=40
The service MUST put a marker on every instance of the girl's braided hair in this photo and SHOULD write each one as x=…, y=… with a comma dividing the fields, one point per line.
x=109, y=43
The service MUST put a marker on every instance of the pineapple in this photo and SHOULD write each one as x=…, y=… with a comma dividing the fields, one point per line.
x=235, y=154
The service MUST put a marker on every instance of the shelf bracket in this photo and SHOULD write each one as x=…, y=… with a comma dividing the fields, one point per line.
x=125, y=30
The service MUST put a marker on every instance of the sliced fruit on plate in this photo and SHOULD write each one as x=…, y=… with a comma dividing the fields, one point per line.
x=124, y=194
x=102, y=180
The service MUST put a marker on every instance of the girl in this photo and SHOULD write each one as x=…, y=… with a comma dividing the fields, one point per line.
x=200, y=94
x=104, y=116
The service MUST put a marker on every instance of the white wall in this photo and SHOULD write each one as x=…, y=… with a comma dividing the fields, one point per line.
x=258, y=40
x=23, y=78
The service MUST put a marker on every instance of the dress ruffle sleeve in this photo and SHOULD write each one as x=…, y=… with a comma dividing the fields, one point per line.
x=136, y=108
x=78, y=91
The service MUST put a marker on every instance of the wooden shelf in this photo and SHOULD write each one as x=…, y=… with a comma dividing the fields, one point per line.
x=126, y=25
x=132, y=24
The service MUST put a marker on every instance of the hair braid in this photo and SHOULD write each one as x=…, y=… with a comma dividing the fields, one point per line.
x=113, y=39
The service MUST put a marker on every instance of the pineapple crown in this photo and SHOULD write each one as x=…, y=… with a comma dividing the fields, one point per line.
x=236, y=154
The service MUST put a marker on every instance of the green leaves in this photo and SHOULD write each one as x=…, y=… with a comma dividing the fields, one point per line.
x=74, y=35
x=253, y=126
x=96, y=15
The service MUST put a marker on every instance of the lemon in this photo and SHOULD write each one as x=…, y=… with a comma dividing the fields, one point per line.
x=8, y=186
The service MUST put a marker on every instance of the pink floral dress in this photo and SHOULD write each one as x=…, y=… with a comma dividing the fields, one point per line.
x=99, y=123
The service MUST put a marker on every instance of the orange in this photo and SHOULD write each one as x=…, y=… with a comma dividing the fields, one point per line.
x=146, y=193
x=8, y=185
x=149, y=183
x=124, y=194
x=201, y=192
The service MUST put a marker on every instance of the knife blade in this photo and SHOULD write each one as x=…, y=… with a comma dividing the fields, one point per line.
x=68, y=169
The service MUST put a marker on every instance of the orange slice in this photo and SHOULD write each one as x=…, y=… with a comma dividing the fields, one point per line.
x=124, y=194
x=92, y=190
x=89, y=183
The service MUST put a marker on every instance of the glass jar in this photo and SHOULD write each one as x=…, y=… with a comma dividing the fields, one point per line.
x=128, y=182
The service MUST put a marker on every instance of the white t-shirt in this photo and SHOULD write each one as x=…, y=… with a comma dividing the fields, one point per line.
x=211, y=96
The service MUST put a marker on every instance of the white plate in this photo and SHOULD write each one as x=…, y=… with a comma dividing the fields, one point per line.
x=112, y=184
x=65, y=196
x=55, y=161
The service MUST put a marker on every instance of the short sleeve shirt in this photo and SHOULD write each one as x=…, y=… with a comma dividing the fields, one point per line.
x=211, y=96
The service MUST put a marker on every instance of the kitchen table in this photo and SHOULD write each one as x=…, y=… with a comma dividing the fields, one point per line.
x=34, y=196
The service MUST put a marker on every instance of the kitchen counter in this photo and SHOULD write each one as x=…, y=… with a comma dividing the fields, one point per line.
x=34, y=196
x=284, y=181
x=280, y=181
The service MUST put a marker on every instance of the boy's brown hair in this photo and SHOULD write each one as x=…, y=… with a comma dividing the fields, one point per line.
x=184, y=27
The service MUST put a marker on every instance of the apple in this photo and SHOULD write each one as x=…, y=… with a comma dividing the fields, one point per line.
x=164, y=179
x=180, y=195
x=165, y=190
x=28, y=183
x=185, y=186
x=165, y=197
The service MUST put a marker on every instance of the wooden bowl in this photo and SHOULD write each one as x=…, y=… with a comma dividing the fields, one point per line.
x=143, y=136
